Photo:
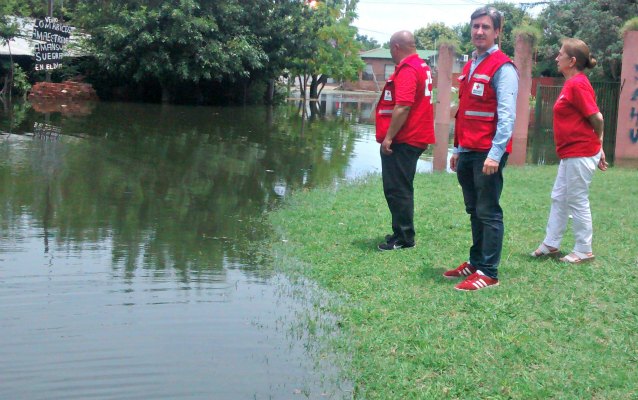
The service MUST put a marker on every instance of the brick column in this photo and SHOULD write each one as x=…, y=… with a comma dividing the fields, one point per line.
x=523, y=62
x=626, y=153
x=442, y=114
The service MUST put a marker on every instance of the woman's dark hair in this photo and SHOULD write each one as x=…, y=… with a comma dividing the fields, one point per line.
x=493, y=13
x=580, y=51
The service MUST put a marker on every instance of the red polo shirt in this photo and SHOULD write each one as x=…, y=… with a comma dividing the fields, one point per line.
x=410, y=85
x=405, y=85
x=573, y=134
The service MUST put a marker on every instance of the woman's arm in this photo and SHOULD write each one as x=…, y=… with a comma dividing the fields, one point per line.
x=597, y=122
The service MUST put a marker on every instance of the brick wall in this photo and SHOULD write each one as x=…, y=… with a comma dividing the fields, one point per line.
x=67, y=90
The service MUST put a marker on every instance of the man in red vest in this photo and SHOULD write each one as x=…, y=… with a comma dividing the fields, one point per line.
x=482, y=143
x=405, y=128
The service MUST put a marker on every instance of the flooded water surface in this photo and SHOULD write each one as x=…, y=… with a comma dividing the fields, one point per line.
x=133, y=256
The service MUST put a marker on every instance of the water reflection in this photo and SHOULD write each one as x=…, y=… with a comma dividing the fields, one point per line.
x=132, y=254
x=133, y=261
x=149, y=174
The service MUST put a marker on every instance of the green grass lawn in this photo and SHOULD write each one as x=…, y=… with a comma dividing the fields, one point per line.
x=550, y=330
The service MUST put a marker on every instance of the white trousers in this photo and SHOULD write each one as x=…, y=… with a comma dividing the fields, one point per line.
x=570, y=196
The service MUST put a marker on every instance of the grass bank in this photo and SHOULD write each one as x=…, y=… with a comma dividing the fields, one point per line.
x=549, y=331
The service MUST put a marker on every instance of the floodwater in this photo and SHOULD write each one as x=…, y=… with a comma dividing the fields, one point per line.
x=133, y=249
x=134, y=256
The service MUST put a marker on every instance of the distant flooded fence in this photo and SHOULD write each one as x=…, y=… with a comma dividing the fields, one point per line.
x=541, y=138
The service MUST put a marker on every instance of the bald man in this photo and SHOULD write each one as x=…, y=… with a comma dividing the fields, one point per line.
x=405, y=128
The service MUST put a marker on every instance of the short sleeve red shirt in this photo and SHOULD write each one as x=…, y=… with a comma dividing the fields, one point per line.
x=405, y=86
x=573, y=134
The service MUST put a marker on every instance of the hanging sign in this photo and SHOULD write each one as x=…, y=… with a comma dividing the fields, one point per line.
x=48, y=55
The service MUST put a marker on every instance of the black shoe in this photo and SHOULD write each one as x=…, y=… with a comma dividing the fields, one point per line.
x=390, y=238
x=394, y=245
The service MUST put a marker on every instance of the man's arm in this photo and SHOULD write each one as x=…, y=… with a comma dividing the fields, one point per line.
x=506, y=87
x=399, y=116
x=405, y=92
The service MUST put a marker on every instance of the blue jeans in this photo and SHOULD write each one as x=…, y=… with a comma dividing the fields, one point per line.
x=481, y=194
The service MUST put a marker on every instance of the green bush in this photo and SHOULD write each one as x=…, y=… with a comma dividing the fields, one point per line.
x=21, y=85
x=631, y=25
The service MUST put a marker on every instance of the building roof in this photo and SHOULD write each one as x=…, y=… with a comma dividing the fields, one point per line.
x=385, y=53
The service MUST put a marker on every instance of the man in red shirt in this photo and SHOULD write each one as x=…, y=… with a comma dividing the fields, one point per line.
x=405, y=128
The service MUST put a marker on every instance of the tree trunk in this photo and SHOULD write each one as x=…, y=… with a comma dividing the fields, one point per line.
x=166, y=94
x=199, y=96
x=270, y=92
x=245, y=94
x=315, y=110
x=302, y=86
x=8, y=80
x=4, y=87
x=314, y=85
x=317, y=84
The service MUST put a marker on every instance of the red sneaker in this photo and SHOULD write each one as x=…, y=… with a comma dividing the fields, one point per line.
x=476, y=281
x=465, y=269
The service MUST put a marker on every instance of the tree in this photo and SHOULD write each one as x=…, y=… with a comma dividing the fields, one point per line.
x=188, y=47
x=366, y=43
x=9, y=29
x=464, y=34
x=171, y=42
x=220, y=44
x=326, y=45
x=270, y=22
x=513, y=17
x=432, y=34
x=597, y=23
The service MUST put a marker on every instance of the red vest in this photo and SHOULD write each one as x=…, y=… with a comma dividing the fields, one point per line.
x=477, y=116
x=418, y=129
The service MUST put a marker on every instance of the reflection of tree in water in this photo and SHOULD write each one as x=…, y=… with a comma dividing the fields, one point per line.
x=12, y=114
x=540, y=141
x=172, y=189
x=359, y=108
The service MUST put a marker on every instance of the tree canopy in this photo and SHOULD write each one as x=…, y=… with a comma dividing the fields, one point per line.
x=227, y=48
x=9, y=8
x=329, y=46
x=597, y=23
x=172, y=41
x=200, y=41
x=513, y=16
x=367, y=43
x=432, y=34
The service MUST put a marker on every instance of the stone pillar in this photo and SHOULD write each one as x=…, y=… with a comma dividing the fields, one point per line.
x=442, y=114
x=523, y=61
x=626, y=153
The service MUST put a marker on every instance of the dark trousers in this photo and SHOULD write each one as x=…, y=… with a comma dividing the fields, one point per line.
x=481, y=194
x=398, y=170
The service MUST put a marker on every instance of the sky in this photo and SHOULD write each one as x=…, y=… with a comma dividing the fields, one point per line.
x=379, y=19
